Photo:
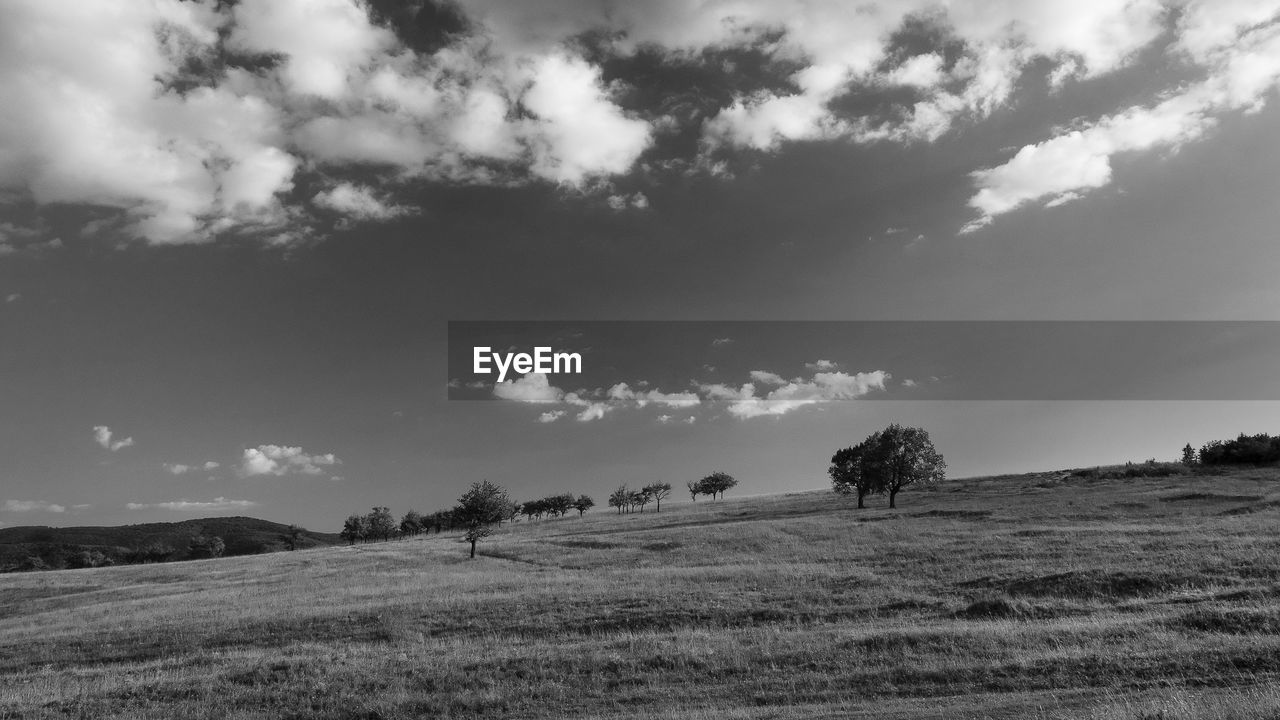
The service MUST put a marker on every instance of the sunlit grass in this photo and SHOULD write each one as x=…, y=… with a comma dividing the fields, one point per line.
x=1019, y=597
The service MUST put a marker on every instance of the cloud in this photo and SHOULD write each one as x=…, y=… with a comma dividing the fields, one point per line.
x=1243, y=64
x=532, y=388
x=637, y=201
x=721, y=342
x=12, y=297
x=32, y=506
x=281, y=460
x=593, y=411
x=622, y=393
x=102, y=435
x=217, y=504
x=359, y=202
x=824, y=365
x=767, y=378
x=744, y=401
x=550, y=416
x=182, y=469
x=578, y=133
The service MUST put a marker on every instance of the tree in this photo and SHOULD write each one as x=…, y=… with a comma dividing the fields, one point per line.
x=659, y=492
x=620, y=498
x=206, y=547
x=1188, y=455
x=716, y=482
x=583, y=503
x=640, y=498
x=355, y=528
x=846, y=471
x=695, y=489
x=560, y=504
x=478, y=508
x=898, y=457
x=412, y=523
x=382, y=524
x=293, y=538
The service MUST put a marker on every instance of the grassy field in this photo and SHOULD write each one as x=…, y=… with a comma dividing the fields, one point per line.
x=1013, y=597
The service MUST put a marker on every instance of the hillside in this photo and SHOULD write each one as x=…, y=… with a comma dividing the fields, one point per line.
x=241, y=536
x=1034, y=596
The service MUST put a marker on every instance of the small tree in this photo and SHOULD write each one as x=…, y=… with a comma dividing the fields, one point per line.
x=847, y=476
x=292, y=538
x=620, y=498
x=560, y=504
x=206, y=547
x=412, y=523
x=478, y=508
x=898, y=457
x=1189, y=455
x=659, y=492
x=695, y=489
x=354, y=528
x=583, y=503
x=382, y=524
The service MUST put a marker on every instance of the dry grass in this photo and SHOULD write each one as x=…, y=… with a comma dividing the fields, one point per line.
x=1030, y=596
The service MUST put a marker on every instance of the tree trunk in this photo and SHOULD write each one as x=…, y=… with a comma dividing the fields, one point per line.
x=861, y=494
x=473, y=549
x=893, y=497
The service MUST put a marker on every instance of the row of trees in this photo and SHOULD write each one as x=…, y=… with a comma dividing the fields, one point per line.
x=628, y=500
x=486, y=505
x=714, y=484
x=556, y=506
x=885, y=462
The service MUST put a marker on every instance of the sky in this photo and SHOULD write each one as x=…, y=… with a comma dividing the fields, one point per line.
x=233, y=236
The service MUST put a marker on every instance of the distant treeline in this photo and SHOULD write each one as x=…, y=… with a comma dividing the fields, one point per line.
x=48, y=548
x=1261, y=449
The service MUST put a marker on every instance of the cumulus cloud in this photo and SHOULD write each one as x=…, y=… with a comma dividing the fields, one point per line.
x=532, y=388
x=745, y=402
x=1238, y=43
x=103, y=436
x=550, y=416
x=359, y=202
x=32, y=506
x=217, y=504
x=279, y=460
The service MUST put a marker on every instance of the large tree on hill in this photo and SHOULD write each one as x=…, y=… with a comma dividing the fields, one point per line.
x=583, y=503
x=898, y=457
x=846, y=471
x=485, y=504
x=659, y=491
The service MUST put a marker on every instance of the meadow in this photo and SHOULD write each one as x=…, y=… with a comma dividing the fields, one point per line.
x=1031, y=596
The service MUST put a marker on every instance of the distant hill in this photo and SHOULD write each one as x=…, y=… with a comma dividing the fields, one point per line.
x=56, y=548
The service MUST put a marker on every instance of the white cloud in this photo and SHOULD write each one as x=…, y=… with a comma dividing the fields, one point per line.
x=182, y=468
x=281, y=460
x=13, y=297
x=1243, y=65
x=768, y=378
x=721, y=342
x=532, y=388
x=593, y=411
x=102, y=435
x=550, y=416
x=823, y=387
x=359, y=202
x=638, y=201
x=824, y=365
x=217, y=504
x=578, y=132
x=32, y=506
